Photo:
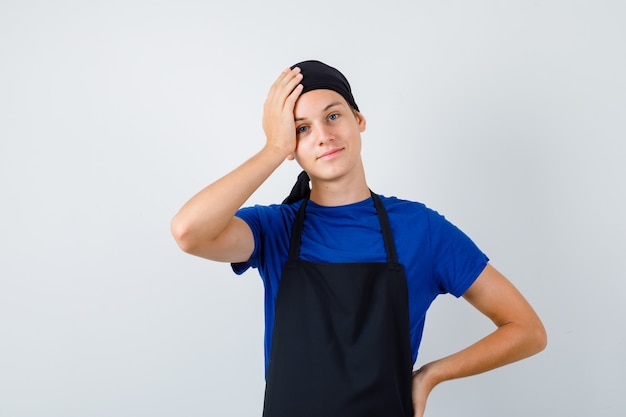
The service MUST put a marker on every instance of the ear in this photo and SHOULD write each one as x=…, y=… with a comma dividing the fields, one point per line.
x=361, y=121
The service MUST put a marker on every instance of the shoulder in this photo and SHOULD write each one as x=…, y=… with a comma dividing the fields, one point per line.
x=392, y=202
x=268, y=212
x=410, y=217
x=269, y=220
x=398, y=208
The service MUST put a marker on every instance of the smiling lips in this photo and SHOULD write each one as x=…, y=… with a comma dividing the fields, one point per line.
x=330, y=154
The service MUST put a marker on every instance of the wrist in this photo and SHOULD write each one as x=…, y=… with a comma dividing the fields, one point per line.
x=277, y=151
x=429, y=375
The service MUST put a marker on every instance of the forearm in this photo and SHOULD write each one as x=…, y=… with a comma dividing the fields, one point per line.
x=509, y=343
x=207, y=213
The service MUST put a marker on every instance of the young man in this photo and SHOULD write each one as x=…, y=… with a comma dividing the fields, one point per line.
x=348, y=274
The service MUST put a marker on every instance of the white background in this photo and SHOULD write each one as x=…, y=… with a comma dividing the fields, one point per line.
x=506, y=116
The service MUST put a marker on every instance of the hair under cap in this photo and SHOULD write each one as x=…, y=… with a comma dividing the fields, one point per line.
x=318, y=76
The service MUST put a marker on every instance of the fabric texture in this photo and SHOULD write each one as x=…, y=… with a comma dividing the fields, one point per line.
x=438, y=258
x=319, y=76
x=300, y=189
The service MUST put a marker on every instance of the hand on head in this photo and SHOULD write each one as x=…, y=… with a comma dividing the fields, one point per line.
x=278, y=122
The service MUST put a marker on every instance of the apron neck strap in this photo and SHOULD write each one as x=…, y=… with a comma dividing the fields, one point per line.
x=298, y=224
x=390, y=247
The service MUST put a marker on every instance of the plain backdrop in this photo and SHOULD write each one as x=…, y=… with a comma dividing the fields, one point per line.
x=508, y=117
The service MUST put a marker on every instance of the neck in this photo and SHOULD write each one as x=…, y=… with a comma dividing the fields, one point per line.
x=339, y=191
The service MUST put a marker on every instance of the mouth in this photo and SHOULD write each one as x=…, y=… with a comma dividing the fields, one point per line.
x=330, y=154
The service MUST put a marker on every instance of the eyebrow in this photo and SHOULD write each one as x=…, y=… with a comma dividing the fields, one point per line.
x=336, y=103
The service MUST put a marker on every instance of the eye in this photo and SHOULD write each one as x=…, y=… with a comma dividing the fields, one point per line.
x=301, y=129
x=333, y=116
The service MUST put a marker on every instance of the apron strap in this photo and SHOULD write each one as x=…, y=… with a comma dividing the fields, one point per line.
x=390, y=246
x=296, y=231
x=298, y=224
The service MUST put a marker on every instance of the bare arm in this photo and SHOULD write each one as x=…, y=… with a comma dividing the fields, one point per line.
x=519, y=334
x=205, y=226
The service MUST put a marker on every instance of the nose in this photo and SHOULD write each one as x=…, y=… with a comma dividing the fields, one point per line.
x=324, y=134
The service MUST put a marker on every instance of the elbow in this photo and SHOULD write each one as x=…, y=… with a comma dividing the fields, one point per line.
x=540, y=338
x=527, y=338
x=181, y=231
x=536, y=338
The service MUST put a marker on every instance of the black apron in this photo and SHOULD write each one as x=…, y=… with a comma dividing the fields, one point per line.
x=340, y=345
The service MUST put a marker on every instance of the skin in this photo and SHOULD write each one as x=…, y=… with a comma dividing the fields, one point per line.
x=323, y=134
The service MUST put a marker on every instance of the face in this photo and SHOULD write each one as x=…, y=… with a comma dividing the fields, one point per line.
x=328, y=134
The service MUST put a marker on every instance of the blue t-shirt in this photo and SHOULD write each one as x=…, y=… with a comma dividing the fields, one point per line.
x=437, y=257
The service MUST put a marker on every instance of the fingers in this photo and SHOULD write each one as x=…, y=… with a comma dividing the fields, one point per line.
x=290, y=78
x=293, y=97
x=278, y=117
x=286, y=88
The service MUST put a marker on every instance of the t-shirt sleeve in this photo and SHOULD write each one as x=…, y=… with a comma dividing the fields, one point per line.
x=250, y=215
x=457, y=261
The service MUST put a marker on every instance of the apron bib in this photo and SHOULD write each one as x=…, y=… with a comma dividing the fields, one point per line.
x=340, y=345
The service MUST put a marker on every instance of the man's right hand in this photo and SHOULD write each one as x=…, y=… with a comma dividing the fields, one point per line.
x=278, y=121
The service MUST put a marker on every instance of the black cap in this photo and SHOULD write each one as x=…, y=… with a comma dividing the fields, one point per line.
x=318, y=76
